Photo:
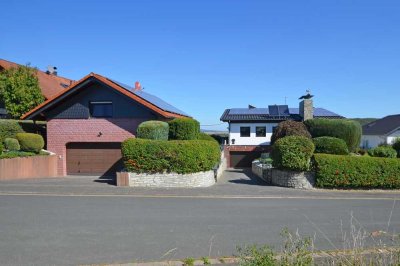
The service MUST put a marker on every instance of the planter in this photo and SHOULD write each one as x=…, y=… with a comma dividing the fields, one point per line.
x=284, y=178
x=28, y=167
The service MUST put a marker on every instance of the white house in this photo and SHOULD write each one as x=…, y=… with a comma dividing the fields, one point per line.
x=250, y=129
x=382, y=131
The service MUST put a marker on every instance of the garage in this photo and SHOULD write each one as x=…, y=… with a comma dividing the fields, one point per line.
x=242, y=159
x=94, y=158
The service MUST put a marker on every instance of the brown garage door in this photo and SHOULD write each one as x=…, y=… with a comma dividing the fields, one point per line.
x=94, y=158
x=241, y=159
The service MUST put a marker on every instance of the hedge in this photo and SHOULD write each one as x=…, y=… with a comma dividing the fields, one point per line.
x=341, y=171
x=9, y=128
x=30, y=142
x=383, y=151
x=292, y=153
x=330, y=145
x=183, y=129
x=12, y=144
x=396, y=146
x=347, y=130
x=1, y=147
x=289, y=128
x=159, y=156
x=204, y=136
x=153, y=129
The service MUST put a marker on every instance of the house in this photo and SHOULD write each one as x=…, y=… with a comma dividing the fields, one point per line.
x=49, y=82
x=381, y=131
x=87, y=122
x=250, y=129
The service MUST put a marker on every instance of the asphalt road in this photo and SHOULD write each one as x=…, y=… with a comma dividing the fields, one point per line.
x=70, y=230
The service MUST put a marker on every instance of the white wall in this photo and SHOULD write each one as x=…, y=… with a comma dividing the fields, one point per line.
x=392, y=137
x=371, y=141
x=234, y=133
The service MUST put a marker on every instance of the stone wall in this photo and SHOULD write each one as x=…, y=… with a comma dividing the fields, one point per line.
x=284, y=178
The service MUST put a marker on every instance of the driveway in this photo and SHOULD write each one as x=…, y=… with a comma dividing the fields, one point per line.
x=234, y=183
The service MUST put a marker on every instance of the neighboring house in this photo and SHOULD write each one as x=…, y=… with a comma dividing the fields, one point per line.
x=87, y=122
x=250, y=129
x=381, y=131
x=49, y=83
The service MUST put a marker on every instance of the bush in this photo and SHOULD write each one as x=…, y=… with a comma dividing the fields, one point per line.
x=1, y=147
x=330, y=145
x=340, y=171
x=14, y=154
x=30, y=142
x=347, y=130
x=289, y=128
x=396, y=146
x=184, y=129
x=158, y=156
x=383, y=151
x=153, y=130
x=293, y=153
x=9, y=128
x=204, y=136
x=12, y=144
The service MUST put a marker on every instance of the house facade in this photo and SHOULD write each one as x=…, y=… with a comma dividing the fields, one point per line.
x=381, y=131
x=250, y=129
x=87, y=122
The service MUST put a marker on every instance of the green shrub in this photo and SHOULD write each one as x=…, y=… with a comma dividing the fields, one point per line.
x=293, y=153
x=1, y=147
x=347, y=130
x=204, y=136
x=30, y=142
x=289, y=128
x=341, y=171
x=183, y=129
x=153, y=129
x=158, y=156
x=14, y=154
x=396, y=146
x=330, y=145
x=383, y=151
x=12, y=144
x=9, y=128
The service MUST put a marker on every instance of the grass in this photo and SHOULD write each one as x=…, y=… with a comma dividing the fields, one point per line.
x=188, y=262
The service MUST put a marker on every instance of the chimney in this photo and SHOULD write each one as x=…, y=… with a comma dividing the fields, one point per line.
x=138, y=87
x=306, y=108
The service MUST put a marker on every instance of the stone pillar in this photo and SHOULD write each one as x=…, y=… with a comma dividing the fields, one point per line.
x=306, y=109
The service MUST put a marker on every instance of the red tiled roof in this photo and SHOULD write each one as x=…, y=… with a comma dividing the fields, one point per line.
x=49, y=84
x=113, y=85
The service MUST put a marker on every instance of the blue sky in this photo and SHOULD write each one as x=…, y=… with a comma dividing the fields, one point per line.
x=206, y=56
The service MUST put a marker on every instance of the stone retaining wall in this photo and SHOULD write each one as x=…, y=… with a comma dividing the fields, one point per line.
x=200, y=179
x=284, y=178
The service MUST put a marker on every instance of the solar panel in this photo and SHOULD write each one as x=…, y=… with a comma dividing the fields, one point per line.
x=278, y=110
x=247, y=111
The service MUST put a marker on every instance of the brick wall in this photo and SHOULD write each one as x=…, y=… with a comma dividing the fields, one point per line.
x=62, y=131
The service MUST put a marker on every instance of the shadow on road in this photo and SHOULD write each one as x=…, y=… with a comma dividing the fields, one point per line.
x=247, y=177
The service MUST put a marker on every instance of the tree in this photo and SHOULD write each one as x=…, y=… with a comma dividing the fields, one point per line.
x=20, y=91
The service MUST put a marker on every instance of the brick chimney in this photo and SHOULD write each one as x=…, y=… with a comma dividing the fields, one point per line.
x=306, y=108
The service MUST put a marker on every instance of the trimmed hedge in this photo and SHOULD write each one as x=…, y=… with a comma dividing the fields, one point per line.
x=347, y=130
x=292, y=153
x=1, y=147
x=12, y=144
x=289, y=128
x=30, y=142
x=153, y=129
x=330, y=145
x=204, y=136
x=158, y=156
x=341, y=171
x=9, y=128
x=183, y=129
x=396, y=146
x=383, y=151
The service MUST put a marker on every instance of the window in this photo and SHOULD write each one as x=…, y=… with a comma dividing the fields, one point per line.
x=245, y=131
x=101, y=109
x=261, y=131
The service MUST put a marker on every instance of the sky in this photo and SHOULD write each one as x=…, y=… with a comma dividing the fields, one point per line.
x=209, y=55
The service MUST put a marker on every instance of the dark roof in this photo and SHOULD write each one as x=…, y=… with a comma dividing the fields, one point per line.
x=263, y=115
x=382, y=126
x=152, y=99
x=152, y=102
